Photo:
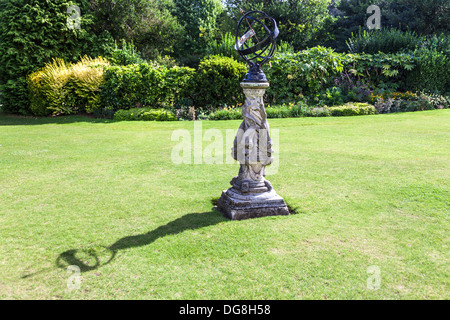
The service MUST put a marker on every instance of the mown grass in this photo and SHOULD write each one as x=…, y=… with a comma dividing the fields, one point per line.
x=369, y=191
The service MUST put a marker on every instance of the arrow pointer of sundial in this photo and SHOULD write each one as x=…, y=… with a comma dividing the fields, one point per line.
x=250, y=26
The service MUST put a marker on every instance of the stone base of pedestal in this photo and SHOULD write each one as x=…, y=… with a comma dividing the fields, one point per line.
x=237, y=206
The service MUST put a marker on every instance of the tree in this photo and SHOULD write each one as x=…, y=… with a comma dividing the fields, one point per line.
x=424, y=17
x=199, y=20
x=427, y=16
x=149, y=24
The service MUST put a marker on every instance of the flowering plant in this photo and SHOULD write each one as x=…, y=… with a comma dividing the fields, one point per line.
x=352, y=88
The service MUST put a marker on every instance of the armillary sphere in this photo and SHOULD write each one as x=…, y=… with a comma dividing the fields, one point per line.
x=256, y=35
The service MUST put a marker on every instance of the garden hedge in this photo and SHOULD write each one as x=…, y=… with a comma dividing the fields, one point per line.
x=217, y=82
x=32, y=33
x=66, y=88
x=144, y=85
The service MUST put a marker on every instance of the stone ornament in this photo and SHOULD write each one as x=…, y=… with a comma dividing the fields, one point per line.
x=251, y=195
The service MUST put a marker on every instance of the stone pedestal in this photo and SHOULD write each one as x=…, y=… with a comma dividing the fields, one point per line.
x=251, y=195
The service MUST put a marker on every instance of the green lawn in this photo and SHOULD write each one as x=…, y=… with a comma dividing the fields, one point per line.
x=369, y=191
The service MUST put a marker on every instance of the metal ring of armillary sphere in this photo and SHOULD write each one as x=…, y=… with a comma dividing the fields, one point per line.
x=256, y=35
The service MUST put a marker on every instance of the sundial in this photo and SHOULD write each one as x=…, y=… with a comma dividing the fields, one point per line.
x=251, y=195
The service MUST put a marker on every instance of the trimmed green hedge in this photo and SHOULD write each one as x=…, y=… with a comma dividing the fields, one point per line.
x=352, y=109
x=299, y=110
x=217, y=82
x=226, y=114
x=431, y=72
x=146, y=114
x=144, y=85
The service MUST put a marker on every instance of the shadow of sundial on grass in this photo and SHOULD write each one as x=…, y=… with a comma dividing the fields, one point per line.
x=94, y=257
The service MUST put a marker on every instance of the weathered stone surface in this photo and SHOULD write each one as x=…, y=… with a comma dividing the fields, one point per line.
x=251, y=195
x=236, y=206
